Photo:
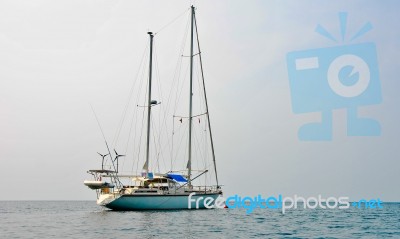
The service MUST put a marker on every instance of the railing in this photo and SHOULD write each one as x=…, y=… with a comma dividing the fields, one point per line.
x=205, y=189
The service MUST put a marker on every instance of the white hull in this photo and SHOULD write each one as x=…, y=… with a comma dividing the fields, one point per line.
x=135, y=202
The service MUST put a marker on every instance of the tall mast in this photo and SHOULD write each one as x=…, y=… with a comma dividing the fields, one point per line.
x=205, y=97
x=146, y=165
x=190, y=101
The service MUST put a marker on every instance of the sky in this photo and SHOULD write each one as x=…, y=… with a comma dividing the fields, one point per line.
x=59, y=57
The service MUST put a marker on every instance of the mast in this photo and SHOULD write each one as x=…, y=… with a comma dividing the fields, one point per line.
x=205, y=97
x=146, y=165
x=190, y=101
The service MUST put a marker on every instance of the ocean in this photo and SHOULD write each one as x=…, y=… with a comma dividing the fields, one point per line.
x=84, y=219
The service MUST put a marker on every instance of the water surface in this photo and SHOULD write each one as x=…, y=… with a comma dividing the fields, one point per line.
x=84, y=219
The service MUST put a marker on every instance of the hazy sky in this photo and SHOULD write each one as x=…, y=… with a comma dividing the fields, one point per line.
x=57, y=57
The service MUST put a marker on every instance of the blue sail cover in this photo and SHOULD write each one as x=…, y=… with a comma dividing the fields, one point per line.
x=177, y=177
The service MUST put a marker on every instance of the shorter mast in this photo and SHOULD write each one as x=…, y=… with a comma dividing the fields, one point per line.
x=146, y=165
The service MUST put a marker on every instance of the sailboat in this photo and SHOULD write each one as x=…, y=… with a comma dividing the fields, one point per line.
x=157, y=191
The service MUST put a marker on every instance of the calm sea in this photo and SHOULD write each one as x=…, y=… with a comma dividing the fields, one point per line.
x=84, y=219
